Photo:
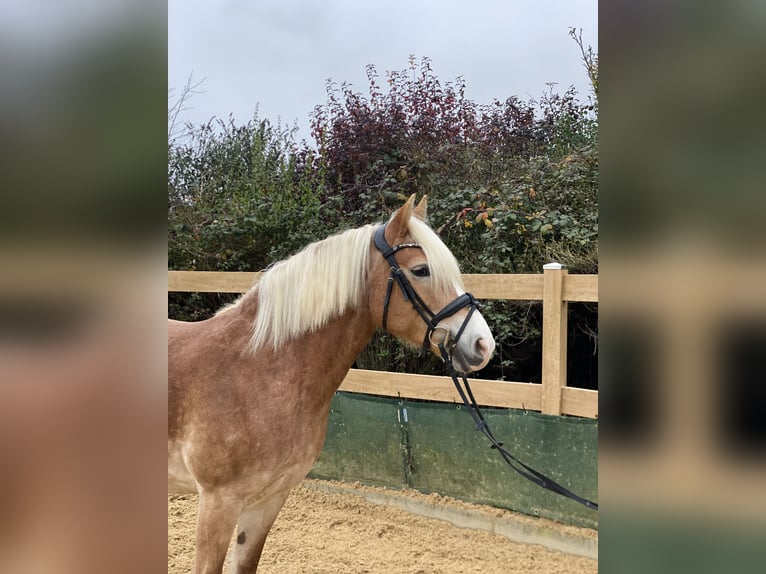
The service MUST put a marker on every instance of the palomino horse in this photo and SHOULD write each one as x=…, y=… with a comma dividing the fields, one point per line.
x=249, y=389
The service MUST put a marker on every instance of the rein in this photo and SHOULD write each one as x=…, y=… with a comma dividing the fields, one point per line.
x=432, y=321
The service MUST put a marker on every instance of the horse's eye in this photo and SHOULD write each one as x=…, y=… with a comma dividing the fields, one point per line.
x=421, y=271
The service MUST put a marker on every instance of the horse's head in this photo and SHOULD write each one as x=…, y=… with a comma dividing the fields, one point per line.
x=418, y=292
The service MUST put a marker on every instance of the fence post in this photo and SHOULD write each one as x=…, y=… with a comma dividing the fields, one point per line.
x=554, y=338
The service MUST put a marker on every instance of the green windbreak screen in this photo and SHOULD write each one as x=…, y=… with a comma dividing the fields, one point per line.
x=434, y=447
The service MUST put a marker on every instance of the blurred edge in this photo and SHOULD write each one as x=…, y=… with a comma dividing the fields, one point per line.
x=682, y=435
x=82, y=287
x=82, y=211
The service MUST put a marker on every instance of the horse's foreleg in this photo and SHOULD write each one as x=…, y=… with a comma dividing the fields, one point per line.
x=252, y=528
x=216, y=517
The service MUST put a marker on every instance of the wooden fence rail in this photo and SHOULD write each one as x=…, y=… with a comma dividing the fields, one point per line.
x=554, y=287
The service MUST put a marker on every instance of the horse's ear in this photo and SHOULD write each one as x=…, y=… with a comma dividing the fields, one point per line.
x=421, y=209
x=397, y=228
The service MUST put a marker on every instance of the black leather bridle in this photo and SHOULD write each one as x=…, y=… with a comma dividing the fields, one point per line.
x=446, y=346
x=431, y=319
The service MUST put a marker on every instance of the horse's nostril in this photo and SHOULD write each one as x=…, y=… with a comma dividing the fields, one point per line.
x=482, y=348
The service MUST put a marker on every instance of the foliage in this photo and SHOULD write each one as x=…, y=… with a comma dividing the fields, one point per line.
x=239, y=198
x=499, y=173
x=511, y=186
x=589, y=60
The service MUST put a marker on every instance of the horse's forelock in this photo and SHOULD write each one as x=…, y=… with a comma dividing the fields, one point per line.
x=444, y=268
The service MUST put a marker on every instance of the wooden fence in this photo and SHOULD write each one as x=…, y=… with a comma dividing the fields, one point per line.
x=554, y=287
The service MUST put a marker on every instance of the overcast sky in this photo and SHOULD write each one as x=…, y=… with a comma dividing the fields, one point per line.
x=276, y=55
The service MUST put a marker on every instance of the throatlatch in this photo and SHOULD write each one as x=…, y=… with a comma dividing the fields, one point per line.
x=432, y=320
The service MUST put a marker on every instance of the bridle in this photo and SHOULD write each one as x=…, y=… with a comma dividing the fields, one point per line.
x=431, y=319
x=446, y=346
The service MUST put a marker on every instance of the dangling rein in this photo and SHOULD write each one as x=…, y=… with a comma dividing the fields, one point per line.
x=466, y=300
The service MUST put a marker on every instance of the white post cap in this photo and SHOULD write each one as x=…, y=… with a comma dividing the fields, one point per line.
x=554, y=265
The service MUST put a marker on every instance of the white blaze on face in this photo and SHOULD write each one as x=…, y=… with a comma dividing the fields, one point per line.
x=475, y=344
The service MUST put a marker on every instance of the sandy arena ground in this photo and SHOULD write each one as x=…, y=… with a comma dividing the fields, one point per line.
x=321, y=532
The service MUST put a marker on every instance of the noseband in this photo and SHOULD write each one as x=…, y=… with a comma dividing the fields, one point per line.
x=431, y=319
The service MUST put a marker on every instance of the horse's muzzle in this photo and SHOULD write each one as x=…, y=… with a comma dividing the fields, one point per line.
x=467, y=341
x=472, y=353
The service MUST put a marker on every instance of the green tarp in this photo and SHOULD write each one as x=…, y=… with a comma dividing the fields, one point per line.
x=434, y=447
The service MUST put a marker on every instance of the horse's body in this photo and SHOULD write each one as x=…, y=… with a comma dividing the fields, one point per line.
x=249, y=397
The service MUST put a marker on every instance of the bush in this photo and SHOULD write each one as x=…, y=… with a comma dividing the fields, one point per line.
x=239, y=198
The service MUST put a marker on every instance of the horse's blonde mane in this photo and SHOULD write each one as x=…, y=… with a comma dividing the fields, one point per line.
x=302, y=293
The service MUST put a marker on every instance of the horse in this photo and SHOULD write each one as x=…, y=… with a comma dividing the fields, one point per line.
x=249, y=389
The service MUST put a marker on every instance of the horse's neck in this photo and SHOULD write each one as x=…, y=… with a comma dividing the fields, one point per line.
x=328, y=353
x=334, y=348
